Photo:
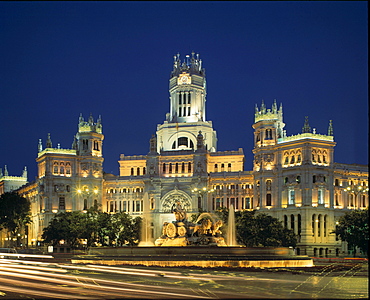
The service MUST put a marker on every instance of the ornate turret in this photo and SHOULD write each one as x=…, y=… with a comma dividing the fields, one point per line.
x=191, y=65
x=268, y=114
x=187, y=88
x=89, y=126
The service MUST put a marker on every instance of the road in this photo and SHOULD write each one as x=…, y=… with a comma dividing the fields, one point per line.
x=22, y=278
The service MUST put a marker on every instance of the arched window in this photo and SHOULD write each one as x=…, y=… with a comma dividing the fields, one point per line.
x=177, y=168
x=170, y=168
x=325, y=225
x=336, y=182
x=164, y=168
x=313, y=224
x=299, y=224
x=319, y=225
x=56, y=168
x=285, y=221
x=216, y=168
x=183, y=168
x=292, y=222
x=138, y=172
x=189, y=167
x=132, y=171
x=180, y=98
x=229, y=167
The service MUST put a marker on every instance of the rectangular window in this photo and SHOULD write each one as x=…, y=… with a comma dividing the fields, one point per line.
x=291, y=197
x=189, y=111
x=320, y=197
x=218, y=203
x=247, y=203
x=62, y=203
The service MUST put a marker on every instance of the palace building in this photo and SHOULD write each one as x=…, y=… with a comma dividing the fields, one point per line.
x=294, y=177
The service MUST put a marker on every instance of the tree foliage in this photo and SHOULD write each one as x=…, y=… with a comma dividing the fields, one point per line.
x=14, y=213
x=94, y=227
x=262, y=230
x=353, y=228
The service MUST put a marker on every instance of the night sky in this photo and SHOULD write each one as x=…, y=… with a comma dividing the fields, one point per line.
x=60, y=59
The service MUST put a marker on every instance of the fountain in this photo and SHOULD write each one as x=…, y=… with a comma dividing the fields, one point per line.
x=231, y=230
x=145, y=232
x=204, y=232
x=199, y=244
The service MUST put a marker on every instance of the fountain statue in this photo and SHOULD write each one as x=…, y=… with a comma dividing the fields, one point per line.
x=204, y=232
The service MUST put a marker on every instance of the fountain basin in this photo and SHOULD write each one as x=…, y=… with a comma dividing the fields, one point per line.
x=207, y=257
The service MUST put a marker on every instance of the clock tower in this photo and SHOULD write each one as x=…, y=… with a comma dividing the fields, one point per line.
x=187, y=116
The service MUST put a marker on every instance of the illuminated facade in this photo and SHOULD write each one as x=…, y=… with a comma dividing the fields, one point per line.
x=294, y=178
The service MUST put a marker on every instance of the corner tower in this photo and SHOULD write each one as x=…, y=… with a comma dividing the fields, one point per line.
x=187, y=116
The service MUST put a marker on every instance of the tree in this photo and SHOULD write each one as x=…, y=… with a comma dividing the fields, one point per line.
x=262, y=230
x=93, y=226
x=65, y=226
x=353, y=228
x=14, y=214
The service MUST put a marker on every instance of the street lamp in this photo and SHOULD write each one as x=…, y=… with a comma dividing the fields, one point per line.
x=357, y=190
x=85, y=191
x=201, y=193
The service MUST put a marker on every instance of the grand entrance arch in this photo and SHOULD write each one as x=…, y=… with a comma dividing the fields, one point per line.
x=171, y=198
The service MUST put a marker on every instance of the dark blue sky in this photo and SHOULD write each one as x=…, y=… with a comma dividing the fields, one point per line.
x=60, y=59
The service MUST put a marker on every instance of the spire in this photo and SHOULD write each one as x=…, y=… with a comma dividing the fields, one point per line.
x=306, y=127
x=263, y=107
x=81, y=119
x=49, y=144
x=24, y=174
x=91, y=119
x=274, y=107
x=74, y=143
x=6, y=170
x=40, y=145
x=1, y=172
x=330, y=129
x=256, y=109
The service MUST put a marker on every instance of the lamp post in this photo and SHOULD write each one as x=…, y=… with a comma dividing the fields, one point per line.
x=357, y=190
x=201, y=193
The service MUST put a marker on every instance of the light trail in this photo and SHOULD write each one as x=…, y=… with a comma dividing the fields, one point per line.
x=107, y=287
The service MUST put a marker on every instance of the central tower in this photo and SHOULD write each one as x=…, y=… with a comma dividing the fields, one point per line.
x=187, y=116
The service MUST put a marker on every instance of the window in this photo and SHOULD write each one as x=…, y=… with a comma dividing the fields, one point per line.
x=183, y=168
x=247, y=203
x=170, y=169
x=189, y=167
x=286, y=160
x=177, y=168
x=320, y=196
x=336, y=200
x=313, y=224
x=180, y=98
x=164, y=168
x=138, y=172
x=132, y=171
x=56, y=168
x=268, y=199
x=298, y=179
x=229, y=167
x=292, y=160
x=222, y=167
x=216, y=167
x=292, y=222
x=336, y=182
x=61, y=168
x=189, y=98
x=285, y=221
x=180, y=111
x=62, y=203
x=138, y=206
x=182, y=141
x=299, y=158
x=291, y=197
